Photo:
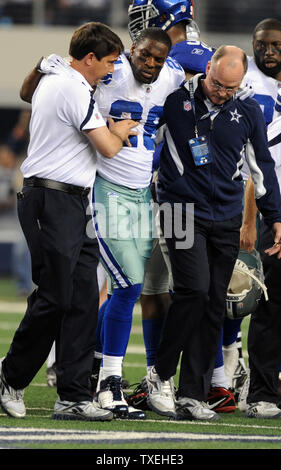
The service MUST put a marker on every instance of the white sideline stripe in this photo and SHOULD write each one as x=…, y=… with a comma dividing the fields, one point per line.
x=153, y=421
x=33, y=434
x=135, y=349
x=20, y=307
x=5, y=325
x=130, y=350
x=12, y=307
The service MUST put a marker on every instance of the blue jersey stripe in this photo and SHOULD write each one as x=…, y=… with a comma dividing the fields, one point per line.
x=275, y=141
x=89, y=113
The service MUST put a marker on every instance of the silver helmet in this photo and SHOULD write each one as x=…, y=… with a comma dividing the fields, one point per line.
x=246, y=285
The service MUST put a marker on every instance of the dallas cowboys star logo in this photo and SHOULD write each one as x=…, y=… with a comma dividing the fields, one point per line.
x=235, y=116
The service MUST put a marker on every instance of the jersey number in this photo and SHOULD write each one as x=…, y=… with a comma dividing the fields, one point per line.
x=266, y=103
x=122, y=109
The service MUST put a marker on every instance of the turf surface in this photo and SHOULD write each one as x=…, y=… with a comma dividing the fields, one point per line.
x=39, y=431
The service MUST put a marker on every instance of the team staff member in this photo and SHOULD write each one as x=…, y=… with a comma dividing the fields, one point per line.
x=141, y=81
x=175, y=17
x=66, y=129
x=200, y=164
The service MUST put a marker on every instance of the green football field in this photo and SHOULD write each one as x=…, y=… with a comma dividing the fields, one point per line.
x=39, y=431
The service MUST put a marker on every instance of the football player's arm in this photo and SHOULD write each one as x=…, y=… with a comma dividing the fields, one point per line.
x=109, y=141
x=248, y=231
x=30, y=83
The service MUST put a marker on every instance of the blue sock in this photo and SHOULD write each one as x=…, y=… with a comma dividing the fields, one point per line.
x=117, y=320
x=231, y=329
x=219, y=359
x=152, y=329
x=99, y=329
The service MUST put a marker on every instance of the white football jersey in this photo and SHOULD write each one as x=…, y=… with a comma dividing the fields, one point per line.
x=274, y=142
x=265, y=90
x=122, y=97
x=266, y=93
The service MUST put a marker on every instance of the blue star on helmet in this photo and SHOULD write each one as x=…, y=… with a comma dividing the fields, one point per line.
x=235, y=116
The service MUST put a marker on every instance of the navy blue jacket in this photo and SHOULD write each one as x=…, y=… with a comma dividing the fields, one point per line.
x=216, y=189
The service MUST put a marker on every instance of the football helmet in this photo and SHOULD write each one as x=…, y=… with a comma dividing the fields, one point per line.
x=163, y=14
x=246, y=285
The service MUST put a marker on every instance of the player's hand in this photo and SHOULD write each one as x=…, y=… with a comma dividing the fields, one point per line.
x=276, y=248
x=123, y=129
x=248, y=237
x=245, y=92
x=52, y=64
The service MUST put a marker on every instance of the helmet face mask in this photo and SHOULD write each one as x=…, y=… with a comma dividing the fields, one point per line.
x=192, y=31
x=157, y=13
x=246, y=285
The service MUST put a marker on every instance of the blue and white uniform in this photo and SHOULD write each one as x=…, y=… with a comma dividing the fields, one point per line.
x=265, y=91
x=125, y=98
x=274, y=143
x=192, y=55
x=129, y=173
x=122, y=198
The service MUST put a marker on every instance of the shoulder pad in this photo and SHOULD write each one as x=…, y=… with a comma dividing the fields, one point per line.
x=192, y=55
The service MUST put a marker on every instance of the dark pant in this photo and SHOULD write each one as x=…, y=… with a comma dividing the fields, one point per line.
x=201, y=275
x=264, y=336
x=64, y=307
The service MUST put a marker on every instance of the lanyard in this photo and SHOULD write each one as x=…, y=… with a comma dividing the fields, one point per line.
x=192, y=101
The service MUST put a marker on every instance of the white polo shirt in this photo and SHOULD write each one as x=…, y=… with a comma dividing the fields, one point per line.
x=62, y=108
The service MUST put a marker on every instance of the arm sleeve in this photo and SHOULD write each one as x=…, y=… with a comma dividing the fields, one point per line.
x=80, y=108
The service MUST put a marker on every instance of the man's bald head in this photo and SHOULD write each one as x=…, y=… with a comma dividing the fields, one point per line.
x=224, y=73
x=232, y=56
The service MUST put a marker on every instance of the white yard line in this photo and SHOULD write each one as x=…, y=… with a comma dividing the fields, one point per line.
x=34, y=434
x=152, y=421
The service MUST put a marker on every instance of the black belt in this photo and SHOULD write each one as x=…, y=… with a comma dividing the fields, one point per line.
x=51, y=184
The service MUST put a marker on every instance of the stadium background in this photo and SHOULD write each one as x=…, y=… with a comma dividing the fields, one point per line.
x=30, y=29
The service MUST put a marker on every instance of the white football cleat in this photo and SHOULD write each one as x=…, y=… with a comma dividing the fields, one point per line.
x=262, y=409
x=160, y=394
x=11, y=400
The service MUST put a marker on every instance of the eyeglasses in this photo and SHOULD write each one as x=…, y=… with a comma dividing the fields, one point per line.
x=220, y=87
